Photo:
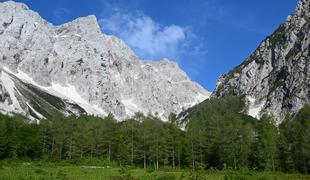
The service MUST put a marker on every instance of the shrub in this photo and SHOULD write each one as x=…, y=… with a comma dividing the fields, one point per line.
x=165, y=177
x=39, y=171
x=61, y=175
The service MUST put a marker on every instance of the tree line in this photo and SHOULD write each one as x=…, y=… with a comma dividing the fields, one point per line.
x=217, y=135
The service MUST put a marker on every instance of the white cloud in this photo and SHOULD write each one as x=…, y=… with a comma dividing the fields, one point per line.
x=148, y=38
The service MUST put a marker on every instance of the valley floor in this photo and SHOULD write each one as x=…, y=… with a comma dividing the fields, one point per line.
x=40, y=171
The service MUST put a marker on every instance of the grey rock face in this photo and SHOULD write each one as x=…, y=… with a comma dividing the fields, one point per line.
x=100, y=73
x=276, y=77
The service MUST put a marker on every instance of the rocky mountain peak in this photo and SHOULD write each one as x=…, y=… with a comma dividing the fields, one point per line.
x=303, y=8
x=12, y=5
x=300, y=17
x=82, y=67
x=84, y=25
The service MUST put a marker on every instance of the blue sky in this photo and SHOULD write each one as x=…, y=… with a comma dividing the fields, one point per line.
x=205, y=37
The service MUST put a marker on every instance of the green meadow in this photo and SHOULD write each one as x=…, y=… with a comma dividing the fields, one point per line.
x=63, y=171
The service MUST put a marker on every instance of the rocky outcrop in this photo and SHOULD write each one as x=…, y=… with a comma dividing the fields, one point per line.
x=276, y=77
x=98, y=72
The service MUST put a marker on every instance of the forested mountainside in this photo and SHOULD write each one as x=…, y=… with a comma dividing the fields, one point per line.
x=224, y=139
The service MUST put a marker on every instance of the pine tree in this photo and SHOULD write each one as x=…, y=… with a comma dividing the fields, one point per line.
x=196, y=141
x=236, y=141
x=107, y=137
x=4, y=139
x=266, y=144
x=296, y=135
x=173, y=138
x=128, y=146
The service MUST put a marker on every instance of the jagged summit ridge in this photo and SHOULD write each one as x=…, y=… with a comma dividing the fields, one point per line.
x=275, y=78
x=78, y=63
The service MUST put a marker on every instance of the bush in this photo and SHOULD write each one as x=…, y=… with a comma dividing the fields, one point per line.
x=150, y=170
x=39, y=171
x=165, y=177
x=95, y=162
x=61, y=175
x=125, y=172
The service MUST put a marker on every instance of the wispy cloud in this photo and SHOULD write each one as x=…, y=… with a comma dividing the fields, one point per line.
x=210, y=11
x=148, y=38
x=248, y=25
x=225, y=15
x=60, y=13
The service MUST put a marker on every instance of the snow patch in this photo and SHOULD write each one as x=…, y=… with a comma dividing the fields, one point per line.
x=15, y=107
x=201, y=97
x=254, y=107
x=67, y=91
x=21, y=75
x=130, y=106
x=9, y=85
x=37, y=113
x=162, y=117
x=198, y=99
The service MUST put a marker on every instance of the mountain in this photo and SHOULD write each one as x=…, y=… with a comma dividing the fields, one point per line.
x=74, y=68
x=276, y=78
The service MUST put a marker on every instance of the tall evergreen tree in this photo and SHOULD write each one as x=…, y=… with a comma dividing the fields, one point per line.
x=128, y=146
x=266, y=144
x=236, y=142
x=196, y=141
x=4, y=138
x=295, y=142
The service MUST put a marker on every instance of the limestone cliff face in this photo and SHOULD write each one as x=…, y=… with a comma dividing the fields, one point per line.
x=78, y=63
x=276, y=77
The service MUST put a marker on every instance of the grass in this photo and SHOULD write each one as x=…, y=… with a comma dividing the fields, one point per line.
x=47, y=171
